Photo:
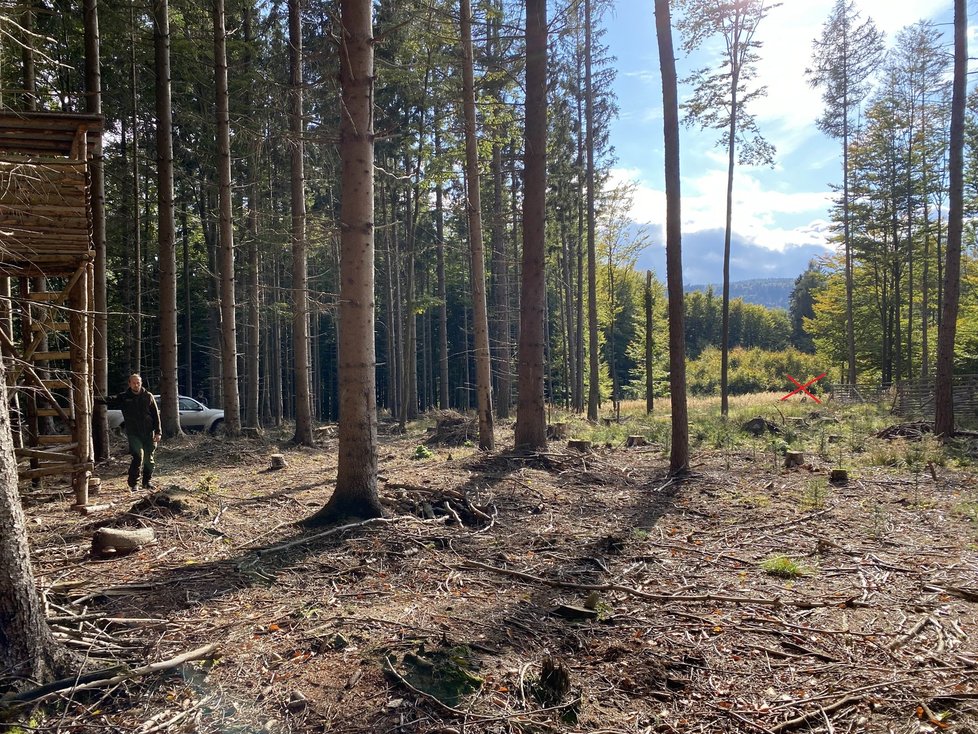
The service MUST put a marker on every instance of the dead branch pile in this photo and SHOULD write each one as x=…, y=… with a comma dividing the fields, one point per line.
x=452, y=429
x=914, y=431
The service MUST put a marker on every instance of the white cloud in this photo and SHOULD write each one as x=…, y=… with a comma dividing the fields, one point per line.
x=789, y=110
x=759, y=213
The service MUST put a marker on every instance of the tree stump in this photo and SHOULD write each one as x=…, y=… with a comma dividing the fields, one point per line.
x=94, y=485
x=579, y=444
x=794, y=458
x=554, y=683
x=758, y=425
x=839, y=476
x=557, y=431
x=633, y=441
x=115, y=541
x=278, y=461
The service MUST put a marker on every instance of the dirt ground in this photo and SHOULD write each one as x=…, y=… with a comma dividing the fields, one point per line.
x=555, y=592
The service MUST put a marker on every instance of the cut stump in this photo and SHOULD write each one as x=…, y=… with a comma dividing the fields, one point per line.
x=557, y=431
x=632, y=441
x=579, y=444
x=794, y=458
x=278, y=461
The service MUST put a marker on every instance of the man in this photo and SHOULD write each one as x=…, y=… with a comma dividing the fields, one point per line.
x=143, y=429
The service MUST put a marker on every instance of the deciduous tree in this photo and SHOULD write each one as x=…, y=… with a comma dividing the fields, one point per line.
x=719, y=101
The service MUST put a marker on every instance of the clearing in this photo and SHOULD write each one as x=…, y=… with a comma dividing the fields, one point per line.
x=553, y=592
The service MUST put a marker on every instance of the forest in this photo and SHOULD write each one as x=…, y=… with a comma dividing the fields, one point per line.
x=478, y=471
x=894, y=203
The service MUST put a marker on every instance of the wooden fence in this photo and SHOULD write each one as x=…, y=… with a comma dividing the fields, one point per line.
x=915, y=398
x=911, y=398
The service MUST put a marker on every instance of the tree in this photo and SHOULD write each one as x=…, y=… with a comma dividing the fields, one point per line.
x=166, y=224
x=845, y=57
x=356, y=478
x=28, y=650
x=649, y=302
x=594, y=390
x=802, y=302
x=93, y=105
x=300, y=296
x=620, y=247
x=473, y=204
x=531, y=423
x=943, y=396
x=679, y=449
x=229, y=356
x=720, y=101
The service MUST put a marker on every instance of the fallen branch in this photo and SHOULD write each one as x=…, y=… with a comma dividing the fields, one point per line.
x=332, y=531
x=958, y=591
x=103, y=678
x=776, y=603
x=805, y=718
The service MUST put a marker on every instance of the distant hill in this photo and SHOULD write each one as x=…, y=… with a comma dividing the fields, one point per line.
x=770, y=292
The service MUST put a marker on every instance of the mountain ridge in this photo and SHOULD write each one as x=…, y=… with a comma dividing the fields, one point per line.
x=768, y=292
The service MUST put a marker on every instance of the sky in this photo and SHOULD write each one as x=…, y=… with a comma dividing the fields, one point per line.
x=780, y=214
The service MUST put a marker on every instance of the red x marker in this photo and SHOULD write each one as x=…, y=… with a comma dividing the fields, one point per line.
x=801, y=388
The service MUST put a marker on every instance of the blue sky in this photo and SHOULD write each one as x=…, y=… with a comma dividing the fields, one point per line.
x=780, y=214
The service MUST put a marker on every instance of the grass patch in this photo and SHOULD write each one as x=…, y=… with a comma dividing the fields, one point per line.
x=421, y=452
x=784, y=567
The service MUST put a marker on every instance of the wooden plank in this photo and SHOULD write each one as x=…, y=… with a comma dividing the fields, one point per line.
x=48, y=356
x=56, y=384
x=31, y=453
x=53, y=412
x=55, y=438
x=54, y=469
x=56, y=326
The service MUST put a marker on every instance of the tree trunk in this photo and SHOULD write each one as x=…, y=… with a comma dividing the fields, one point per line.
x=847, y=237
x=727, y=232
x=253, y=342
x=136, y=271
x=28, y=651
x=93, y=105
x=531, y=421
x=500, y=296
x=356, y=479
x=27, y=54
x=229, y=361
x=444, y=399
x=594, y=379
x=300, y=276
x=166, y=225
x=188, y=353
x=277, y=390
x=943, y=397
x=679, y=452
x=649, y=381
x=480, y=316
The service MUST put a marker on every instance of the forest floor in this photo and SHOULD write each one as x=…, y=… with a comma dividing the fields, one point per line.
x=552, y=592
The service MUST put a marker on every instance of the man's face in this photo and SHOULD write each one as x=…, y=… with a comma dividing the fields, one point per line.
x=135, y=383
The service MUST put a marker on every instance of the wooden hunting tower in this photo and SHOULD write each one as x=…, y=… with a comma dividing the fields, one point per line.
x=46, y=290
